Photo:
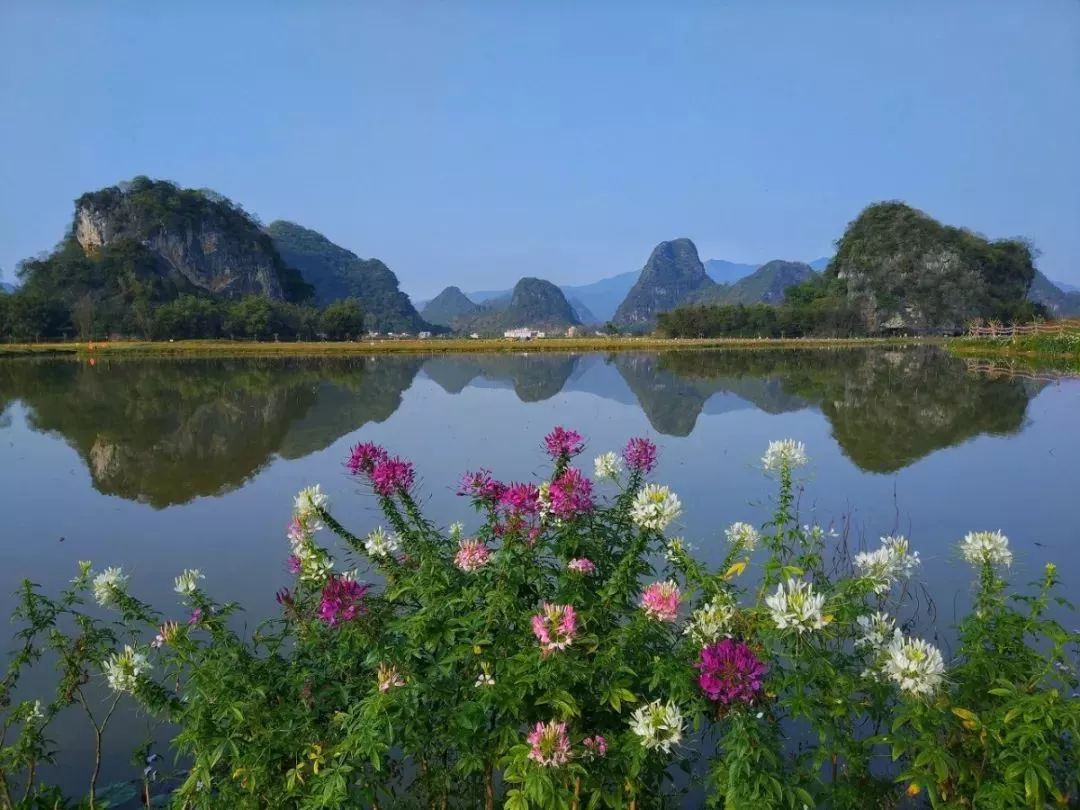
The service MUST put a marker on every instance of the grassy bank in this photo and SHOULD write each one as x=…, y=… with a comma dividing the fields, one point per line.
x=195, y=348
x=1060, y=347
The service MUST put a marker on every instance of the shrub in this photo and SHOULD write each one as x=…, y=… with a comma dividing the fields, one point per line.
x=567, y=653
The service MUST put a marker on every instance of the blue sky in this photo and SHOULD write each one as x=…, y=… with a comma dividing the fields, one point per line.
x=475, y=142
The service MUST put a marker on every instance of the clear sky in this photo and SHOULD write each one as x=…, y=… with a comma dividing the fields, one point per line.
x=472, y=143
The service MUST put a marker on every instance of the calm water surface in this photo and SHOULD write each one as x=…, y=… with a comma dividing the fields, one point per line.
x=158, y=465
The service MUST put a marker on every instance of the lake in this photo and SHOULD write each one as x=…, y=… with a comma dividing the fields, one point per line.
x=159, y=465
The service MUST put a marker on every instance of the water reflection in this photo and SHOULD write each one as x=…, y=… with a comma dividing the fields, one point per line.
x=167, y=431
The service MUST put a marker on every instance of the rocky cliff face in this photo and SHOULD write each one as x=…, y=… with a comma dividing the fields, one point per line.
x=197, y=236
x=907, y=272
x=673, y=275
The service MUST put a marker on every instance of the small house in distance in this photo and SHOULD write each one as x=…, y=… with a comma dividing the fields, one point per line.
x=523, y=333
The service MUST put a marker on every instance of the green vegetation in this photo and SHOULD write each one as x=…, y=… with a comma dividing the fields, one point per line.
x=336, y=273
x=766, y=285
x=673, y=275
x=534, y=303
x=1058, y=302
x=450, y=307
x=567, y=653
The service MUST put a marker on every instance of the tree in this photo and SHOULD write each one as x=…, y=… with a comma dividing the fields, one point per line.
x=342, y=320
x=82, y=316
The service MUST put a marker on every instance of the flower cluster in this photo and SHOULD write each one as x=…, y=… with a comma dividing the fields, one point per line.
x=916, y=666
x=107, y=585
x=660, y=601
x=608, y=467
x=480, y=485
x=875, y=630
x=796, y=606
x=554, y=627
x=342, y=600
x=890, y=563
x=742, y=536
x=659, y=725
x=991, y=548
x=382, y=545
x=712, y=622
x=364, y=457
x=388, y=677
x=188, y=580
x=595, y=746
x=640, y=455
x=472, y=555
x=730, y=672
x=581, y=565
x=309, y=502
x=563, y=443
x=392, y=476
x=570, y=495
x=655, y=507
x=786, y=454
x=307, y=560
x=550, y=745
x=122, y=670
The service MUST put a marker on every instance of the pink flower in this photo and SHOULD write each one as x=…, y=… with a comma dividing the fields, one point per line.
x=563, y=443
x=581, y=565
x=296, y=532
x=481, y=485
x=472, y=555
x=640, y=455
x=342, y=600
x=520, y=499
x=595, y=746
x=570, y=494
x=195, y=617
x=391, y=476
x=550, y=744
x=294, y=564
x=730, y=672
x=555, y=627
x=364, y=457
x=660, y=600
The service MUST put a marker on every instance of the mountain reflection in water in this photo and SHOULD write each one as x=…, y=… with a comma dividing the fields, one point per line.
x=167, y=431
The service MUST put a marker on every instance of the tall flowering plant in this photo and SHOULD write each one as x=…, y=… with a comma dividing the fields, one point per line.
x=568, y=651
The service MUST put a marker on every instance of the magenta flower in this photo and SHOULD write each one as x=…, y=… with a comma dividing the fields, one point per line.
x=550, y=744
x=520, y=499
x=481, y=485
x=555, y=627
x=342, y=600
x=581, y=565
x=472, y=555
x=195, y=617
x=730, y=672
x=364, y=457
x=570, y=494
x=563, y=443
x=595, y=746
x=640, y=455
x=391, y=476
x=660, y=601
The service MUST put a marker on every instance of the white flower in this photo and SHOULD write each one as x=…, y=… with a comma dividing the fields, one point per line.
x=608, y=466
x=484, y=679
x=659, y=725
x=884, y=566
x=106, y=584
x=123, y=670
x=986, y=547
x=457, y=531
x=742, y=536
x=712, y=622
x=306, y=505
x=382, y=545
x=795, y=605
x=188, y=581
x=655, y=507
x=34, y=712
x=917, y=667
x=786, y=454
x=876, y=629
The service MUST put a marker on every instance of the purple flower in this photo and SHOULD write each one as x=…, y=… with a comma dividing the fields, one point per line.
x=563, y=443
x=294, y=564
x=595, y=746
x=481, y=485
x=730, y=672
x=342, y=600
x=392, y=475
x=570, y=494
x=640, y=455
x=520, y=499
x=195, y=618
x=284, y=597
x=364, y=457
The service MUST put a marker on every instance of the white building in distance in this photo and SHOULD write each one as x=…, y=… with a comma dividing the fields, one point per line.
x=523, y=333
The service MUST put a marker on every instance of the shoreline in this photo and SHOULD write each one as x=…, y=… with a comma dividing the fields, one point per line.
x=226, y=348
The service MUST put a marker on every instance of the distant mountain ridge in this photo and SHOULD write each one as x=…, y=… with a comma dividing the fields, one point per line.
x=673, y=275
x=336, y=273
x=766, y=285
x=450, y=307
x=1062, y=301
x=533, y=303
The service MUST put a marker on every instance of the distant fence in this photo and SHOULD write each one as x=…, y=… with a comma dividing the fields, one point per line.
x=1018, y=330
